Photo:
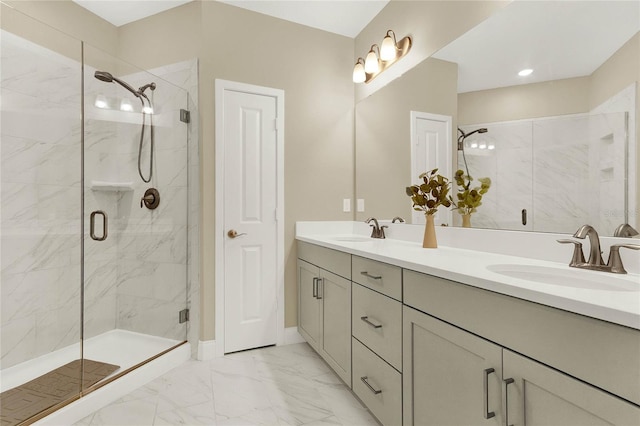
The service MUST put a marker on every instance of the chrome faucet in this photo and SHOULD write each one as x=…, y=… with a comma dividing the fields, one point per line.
x=398, y=218
x=595, y=256
x=595, y=262
x=625, y=231
x=377, y=231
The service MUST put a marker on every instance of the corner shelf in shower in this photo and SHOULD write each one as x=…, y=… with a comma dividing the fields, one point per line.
x=98, y=185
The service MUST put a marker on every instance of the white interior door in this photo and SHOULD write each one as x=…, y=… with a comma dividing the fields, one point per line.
x=431, y=148
x=250, y=202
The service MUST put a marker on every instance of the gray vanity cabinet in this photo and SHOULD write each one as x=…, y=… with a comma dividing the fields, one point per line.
x=540, y=395
x=324, y=305
x=451, y=377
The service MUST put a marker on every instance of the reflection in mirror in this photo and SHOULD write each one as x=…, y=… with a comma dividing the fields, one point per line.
x=564, y=137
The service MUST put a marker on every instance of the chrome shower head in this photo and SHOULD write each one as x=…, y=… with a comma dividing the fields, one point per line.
x=109, y=78
x=464, y=135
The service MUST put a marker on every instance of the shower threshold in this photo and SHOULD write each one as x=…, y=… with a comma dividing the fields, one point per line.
x=123, y=348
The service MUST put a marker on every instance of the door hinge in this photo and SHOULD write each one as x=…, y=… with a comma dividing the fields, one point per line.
x=183, y=316
x=185, y=116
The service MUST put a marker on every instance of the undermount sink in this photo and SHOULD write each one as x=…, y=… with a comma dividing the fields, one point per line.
x=587, y=280
x=352, y=239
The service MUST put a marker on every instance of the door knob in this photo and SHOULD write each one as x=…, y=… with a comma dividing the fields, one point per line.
x=233, y=233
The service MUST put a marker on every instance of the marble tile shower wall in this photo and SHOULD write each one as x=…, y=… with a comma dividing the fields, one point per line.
x=40, y=200
x=147, y=288
x=135, y=279
x=551, y=167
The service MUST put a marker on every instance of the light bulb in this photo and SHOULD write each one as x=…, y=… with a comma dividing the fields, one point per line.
x=474, y=144
x=371, y=65
x=359, y=75
x=525, y=72
x=388, y=49
x=147, y=110
x=483, y=146
x=491, y=146
x=125, y=105
x=101, y=102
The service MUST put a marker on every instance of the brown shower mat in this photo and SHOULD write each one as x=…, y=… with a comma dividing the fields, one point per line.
x=22, y=402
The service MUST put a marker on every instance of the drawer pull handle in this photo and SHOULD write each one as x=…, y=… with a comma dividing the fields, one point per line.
x=371, y=388
x=505, y=391
x=373, y=277
x=374, y=325
x=487, y=413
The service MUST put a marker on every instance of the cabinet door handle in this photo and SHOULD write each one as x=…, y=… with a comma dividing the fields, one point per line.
x=505, y=391
x=315, y=287
x=374, y=325
x=373, y=277
x=320, y=291
x=371, y=388
x=487, y=414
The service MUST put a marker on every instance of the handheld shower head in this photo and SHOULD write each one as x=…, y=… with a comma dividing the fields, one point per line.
x=464, y=135
x=108, y=78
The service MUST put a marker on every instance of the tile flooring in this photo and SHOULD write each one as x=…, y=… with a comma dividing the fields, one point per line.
x=284, y=385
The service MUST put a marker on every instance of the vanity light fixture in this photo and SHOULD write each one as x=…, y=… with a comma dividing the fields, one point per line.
x=359, y=75
x=380, y=58
x=525, y=72
x=372, y=63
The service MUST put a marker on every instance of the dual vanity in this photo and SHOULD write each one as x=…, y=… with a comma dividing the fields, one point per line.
x=463, y=337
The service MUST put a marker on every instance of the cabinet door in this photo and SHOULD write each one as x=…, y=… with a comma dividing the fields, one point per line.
x=309, y=304
x=540, y=395
x=450, y=376
x=335, y=293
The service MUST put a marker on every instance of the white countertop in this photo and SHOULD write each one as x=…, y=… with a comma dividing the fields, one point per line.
x=620, y=306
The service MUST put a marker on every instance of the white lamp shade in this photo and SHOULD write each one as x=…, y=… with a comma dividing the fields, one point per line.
x=359, y=75
x=388, y=50
x=371, y=63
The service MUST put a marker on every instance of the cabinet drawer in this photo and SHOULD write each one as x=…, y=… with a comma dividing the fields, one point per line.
x=331, y=260
x=387, y=279
x=384, y=398
x=377, y=322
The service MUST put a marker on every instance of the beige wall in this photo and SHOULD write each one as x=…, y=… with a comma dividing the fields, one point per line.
x=559, y=97
x=431, y=25
x=71, y=19
x=313, y=67
x=383, y=151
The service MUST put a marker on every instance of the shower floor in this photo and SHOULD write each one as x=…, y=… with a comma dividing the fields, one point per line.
x=118, y=347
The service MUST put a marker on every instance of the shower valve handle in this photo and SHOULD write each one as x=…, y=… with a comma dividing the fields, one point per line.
x=151, y=199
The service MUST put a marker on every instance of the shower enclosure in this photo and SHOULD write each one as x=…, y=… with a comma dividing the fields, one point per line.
x=93, y=282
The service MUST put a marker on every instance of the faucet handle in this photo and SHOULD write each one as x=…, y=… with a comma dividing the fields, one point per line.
x=578, y=255
x=382, y=231
x=615, y=261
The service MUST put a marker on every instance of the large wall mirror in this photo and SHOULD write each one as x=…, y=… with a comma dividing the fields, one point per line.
x=561, y=143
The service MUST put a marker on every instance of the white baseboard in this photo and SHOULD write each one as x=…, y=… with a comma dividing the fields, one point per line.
x=292, y=336
x=206, y=350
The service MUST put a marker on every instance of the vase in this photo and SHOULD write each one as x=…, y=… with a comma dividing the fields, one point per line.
x=466, y=220
x=429, y=240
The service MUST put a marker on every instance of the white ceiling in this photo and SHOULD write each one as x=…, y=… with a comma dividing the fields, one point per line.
x=342, y=17
x=557, y=39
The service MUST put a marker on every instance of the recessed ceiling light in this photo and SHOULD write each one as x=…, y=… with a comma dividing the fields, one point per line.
x=525, y=72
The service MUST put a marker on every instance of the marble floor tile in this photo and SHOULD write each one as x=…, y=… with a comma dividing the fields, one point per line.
x=275, y=386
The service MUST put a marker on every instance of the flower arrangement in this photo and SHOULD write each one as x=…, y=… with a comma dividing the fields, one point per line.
x=469, y=199
x=430, y=194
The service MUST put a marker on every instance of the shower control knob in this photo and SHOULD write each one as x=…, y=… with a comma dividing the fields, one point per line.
x=151, y=199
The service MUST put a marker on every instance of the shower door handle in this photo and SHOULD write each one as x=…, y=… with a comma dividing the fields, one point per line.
x=92, y=225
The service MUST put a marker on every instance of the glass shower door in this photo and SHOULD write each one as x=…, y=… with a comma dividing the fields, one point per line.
x=135, y=213
x=40, y=230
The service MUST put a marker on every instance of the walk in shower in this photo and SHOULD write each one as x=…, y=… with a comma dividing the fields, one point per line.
x=93, y=268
